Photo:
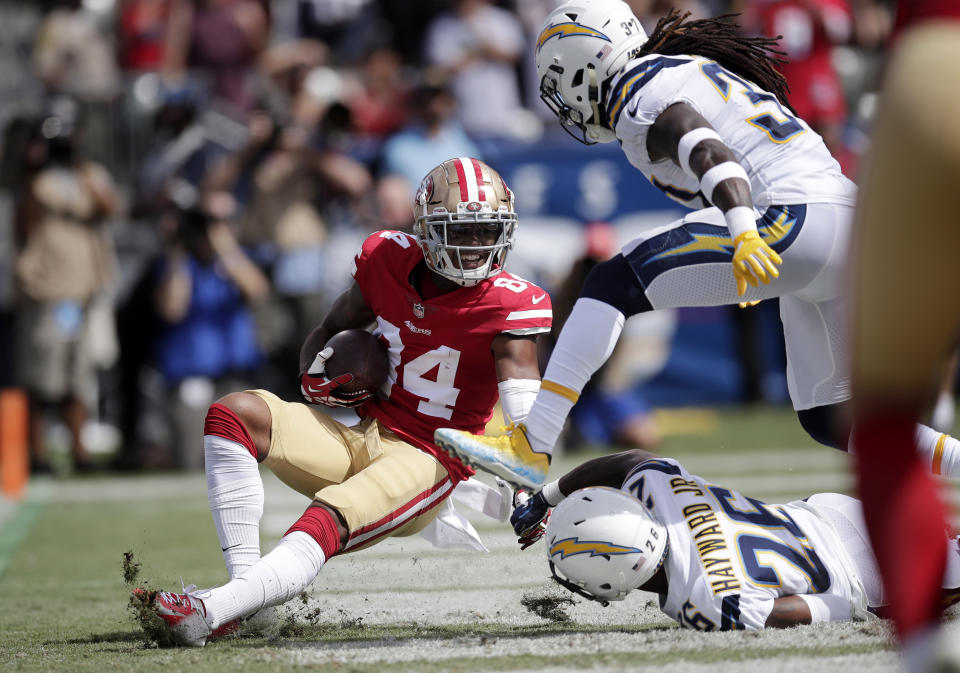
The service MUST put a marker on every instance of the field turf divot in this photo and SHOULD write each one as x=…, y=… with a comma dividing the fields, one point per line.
x=548, y=605
x=140, y=604
x=131, y=569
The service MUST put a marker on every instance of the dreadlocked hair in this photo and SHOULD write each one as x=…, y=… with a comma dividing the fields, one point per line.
x=753, y=58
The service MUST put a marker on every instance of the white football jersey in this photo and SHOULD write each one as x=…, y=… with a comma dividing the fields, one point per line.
x=730, y=556
x=786, y=161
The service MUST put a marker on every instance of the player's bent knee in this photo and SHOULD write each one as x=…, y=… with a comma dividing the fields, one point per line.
x=613, y=282
x=825, y=424
x=255, y=416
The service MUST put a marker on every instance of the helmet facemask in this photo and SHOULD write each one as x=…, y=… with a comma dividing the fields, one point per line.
x=465, y=222
x=571, y=119
x=490, y=238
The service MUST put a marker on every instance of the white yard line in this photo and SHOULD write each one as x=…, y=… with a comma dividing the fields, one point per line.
x=675, y=644
x=118, y=489
x=878, y=662
x=7, y=509
x=812, y=459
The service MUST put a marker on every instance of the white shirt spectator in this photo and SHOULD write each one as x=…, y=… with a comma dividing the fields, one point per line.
x=479, y=46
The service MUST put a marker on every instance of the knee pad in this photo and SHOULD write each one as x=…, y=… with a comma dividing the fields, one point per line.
x=825, y=425
x=613, y=282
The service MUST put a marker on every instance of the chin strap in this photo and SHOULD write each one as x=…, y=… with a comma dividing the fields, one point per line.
x=593, y=93
x=570, y=586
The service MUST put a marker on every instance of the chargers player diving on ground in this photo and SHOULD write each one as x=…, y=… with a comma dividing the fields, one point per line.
x=702, y=112
x=459, y=330
x=718, y=559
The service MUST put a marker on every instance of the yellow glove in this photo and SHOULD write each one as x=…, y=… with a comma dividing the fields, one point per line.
x=753, y=261
x=748, y=304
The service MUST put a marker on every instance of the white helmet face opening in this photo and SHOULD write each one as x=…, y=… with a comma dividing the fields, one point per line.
x=602, y=543
x=465, y=221
x=581, y=44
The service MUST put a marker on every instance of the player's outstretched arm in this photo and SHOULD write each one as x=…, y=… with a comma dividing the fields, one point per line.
x=788, y=611
x=813, y=608
x=684, y=136
x=530, y=515
x=608, y=470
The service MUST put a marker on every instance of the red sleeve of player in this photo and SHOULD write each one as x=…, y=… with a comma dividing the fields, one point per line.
x=528, y=307
x=375, y=252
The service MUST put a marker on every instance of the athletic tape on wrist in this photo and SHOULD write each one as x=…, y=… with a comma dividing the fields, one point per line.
x=691, y=139
x=739, y=221
x=827, y=607
x=719, y=173
x=551, y=493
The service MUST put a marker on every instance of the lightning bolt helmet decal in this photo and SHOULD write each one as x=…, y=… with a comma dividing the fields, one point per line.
x=571, y=546
x=569, y=29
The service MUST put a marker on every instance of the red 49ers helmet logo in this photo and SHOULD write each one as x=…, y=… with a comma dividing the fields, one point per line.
x=474, y=206
x=425, y=192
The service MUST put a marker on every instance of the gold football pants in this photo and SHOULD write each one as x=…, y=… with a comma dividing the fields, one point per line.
x=380, y=484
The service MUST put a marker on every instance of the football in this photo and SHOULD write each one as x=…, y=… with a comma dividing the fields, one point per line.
x=360, y=353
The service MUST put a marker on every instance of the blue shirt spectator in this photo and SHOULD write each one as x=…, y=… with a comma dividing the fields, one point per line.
x=205, y=284
x=217, y=335
x=429, y=141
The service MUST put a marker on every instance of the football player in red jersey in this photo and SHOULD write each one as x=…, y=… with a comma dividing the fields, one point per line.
x=899, y=354
x=460, y=331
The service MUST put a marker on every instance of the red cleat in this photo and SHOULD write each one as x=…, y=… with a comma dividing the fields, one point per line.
x=182, y=618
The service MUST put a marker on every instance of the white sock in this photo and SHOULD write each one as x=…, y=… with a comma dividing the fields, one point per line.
x=586, y=341
x=941, y=450
x=951, y=573
x=944, y=412
x=235, y=494
x=274, y=579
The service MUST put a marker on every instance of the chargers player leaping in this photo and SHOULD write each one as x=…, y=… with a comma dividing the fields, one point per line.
x=459, y=330
x=702, y=112
x=718, y=559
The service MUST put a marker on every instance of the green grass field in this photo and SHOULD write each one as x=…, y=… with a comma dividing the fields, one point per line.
x=402, y=605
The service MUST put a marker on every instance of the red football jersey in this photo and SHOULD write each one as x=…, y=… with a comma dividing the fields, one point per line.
x=442, y=372
x=914, y=11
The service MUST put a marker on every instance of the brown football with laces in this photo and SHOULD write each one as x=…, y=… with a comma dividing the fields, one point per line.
x=357, y=352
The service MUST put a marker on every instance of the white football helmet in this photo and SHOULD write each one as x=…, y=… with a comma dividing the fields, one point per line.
x=464, y=220
x=581, y=44
x=604, y=543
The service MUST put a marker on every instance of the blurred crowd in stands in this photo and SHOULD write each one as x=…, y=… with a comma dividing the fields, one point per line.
x=183, y=183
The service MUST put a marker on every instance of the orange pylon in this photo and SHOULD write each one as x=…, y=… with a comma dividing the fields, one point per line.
x=14, y=463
